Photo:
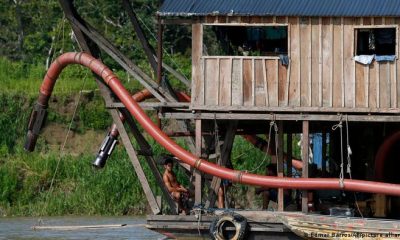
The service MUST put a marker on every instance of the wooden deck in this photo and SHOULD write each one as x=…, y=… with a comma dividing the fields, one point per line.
x=279, y=225
x=262, y=225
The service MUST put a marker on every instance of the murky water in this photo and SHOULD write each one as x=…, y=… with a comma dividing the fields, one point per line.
x=21, y=228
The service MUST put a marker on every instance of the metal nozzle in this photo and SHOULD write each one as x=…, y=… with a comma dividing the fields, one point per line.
x=36, y=121
x=105, y=151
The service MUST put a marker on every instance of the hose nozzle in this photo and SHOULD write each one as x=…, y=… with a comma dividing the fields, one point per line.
x=105, y=151
x=36, y=121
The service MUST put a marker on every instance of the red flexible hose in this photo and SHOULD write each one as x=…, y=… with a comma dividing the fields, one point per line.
x=237, y=176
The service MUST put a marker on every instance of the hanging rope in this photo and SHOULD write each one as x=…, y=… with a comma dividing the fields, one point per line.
x=40, y=221
x=334, y=127
x=349, y=153
x=273, y=125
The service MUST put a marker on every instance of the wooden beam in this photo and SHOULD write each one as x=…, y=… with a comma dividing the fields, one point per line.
x=225, y=158
x=305, y=156
x=148, y=49
x=146, y=148
x=135, y=162
x=197, y=174
x=280, y=165
x=281, y=116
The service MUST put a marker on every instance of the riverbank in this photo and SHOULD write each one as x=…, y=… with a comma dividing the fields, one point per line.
x=78, y=189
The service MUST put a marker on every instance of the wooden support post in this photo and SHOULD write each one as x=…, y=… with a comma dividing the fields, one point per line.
x=159, y=50
x=146, y=149
x=289, y=154
x=324, y=153
x=135, y=162
x=197, y=174
x=305, y=156
x=280, y=164
x=225, y=159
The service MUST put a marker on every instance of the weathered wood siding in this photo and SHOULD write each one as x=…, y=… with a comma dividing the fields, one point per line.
x=321, y=76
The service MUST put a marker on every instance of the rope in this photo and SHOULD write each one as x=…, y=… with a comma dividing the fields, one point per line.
x=349, y=153
x=272, y=124
x=40, y=221
x=334, y=127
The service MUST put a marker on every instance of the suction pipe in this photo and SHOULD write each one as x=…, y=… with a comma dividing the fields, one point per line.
x=202, y=165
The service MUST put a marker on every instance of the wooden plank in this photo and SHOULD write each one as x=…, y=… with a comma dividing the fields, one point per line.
x=294, y=84
x=272, y=82
x=247, y=82
x=145, y=147
x=349, y=69
x=393, y=85
x=260, y=80
x=237, y=83
x=264, y=63
x=211, y=75
x=280, y=165
x=384, y=85
x=197, y=174
x=316, y=80
x=378, y=20
x=135, y=162
x=393, y=69
x=372, y=96
x=337, y=67
x=282, y=84
x=397, y=73
x=327, y=61
x=284, y=116
x=197, y=50
x=305, y=64
x=225, y=86
x=305, y=156
x=360, y=85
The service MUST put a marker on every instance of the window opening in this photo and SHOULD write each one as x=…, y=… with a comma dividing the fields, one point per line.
x=378, y=41
x=245, y=41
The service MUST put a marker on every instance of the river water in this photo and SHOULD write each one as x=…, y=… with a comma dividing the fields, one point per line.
x=21, y=228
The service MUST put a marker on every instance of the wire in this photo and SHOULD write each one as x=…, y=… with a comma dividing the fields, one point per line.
x=272, y=124
x=334, y=127
x=40, y=221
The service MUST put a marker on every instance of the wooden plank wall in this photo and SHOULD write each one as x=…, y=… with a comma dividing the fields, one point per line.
x=321, y=76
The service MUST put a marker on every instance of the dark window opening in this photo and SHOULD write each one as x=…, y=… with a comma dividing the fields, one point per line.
x=245, y=41
x=378, y=41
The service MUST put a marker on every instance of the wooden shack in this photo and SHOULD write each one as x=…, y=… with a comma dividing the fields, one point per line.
x=321, y=42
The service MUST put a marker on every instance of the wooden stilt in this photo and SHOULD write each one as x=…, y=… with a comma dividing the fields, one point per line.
x=289, y=154
x=135, y=162
x=197, y=174
x=280, y=165
x=305, y=155
x=145, y=148
x=225, y=158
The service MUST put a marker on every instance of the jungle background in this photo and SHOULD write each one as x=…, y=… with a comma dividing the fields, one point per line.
x=32, y=34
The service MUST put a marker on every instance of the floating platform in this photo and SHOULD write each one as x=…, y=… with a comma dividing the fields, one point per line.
x=278, y=225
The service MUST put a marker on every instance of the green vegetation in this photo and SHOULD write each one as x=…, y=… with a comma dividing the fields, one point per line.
x=30, y=41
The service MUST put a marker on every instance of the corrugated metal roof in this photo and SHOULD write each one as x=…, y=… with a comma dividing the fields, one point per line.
x=333, y=8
